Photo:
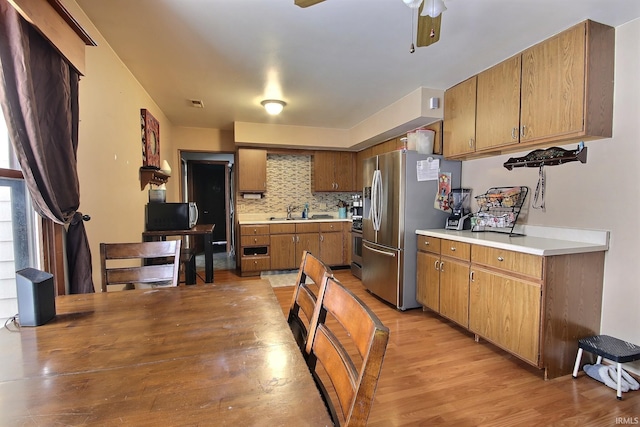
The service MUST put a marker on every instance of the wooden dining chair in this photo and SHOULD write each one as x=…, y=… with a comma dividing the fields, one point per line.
x=305, y=295
x=159, y=263
x=350, y=342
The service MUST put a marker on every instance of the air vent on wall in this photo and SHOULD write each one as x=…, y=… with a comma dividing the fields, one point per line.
x=196, y=103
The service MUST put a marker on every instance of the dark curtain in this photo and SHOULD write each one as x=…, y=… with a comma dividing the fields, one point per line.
x=39, y=95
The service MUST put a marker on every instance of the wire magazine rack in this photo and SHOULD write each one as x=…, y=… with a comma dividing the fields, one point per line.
x=499, y=209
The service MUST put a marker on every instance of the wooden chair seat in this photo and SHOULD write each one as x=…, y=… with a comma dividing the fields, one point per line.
x=145, y=271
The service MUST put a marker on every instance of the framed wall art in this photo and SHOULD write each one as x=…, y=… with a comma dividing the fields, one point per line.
x=150, y=140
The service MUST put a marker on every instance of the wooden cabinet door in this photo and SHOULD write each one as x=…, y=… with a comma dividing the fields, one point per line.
x=323, y=171
x=252, y=170
x=506, y=311
x=498, y=105
x=344, y=171
x=428, y=281
x=553, y=85
x=283, y=251
x=307, y=242
x=460, y=118
x=332, y=248
x=454, y=291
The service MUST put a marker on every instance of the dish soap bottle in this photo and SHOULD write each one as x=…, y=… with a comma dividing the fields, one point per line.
x=305, y=211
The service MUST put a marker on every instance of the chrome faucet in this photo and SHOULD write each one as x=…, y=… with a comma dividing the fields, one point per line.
x=290, y=210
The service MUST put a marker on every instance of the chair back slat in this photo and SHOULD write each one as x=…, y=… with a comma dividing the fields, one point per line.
x=305, y=297
x=156, y=262
x=341, y=321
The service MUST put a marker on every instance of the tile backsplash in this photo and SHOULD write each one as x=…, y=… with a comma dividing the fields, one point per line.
x=289, y=183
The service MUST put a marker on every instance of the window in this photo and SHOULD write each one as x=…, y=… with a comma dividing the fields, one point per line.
x=18, y=226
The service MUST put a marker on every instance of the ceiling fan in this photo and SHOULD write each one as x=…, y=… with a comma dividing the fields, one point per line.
x=429, y=18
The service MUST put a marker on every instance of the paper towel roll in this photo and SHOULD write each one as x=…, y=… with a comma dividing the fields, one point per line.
x=165, y=167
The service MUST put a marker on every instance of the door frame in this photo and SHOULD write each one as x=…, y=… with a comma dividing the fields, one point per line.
x=227, y=192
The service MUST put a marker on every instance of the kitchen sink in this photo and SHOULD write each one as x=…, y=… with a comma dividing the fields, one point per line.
x=273, y=218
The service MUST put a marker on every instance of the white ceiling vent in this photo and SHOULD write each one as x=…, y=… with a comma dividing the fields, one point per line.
x=196, y=103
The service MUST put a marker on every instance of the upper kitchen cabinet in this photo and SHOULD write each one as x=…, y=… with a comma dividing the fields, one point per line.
x=334, y=171
x=459, y=126
x=558, y=91
x=567, y=86
x=498, y=105
x=252, y=170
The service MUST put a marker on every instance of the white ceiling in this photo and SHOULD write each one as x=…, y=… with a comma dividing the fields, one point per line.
x=335, y=63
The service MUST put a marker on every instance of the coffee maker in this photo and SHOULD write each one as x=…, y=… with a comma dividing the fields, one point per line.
x=460, y=203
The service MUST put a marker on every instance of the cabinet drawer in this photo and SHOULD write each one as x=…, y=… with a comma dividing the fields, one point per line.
x=509, y=261
x=259, y=263
x=330, y=226
x=246, y=230
x=282, y=228
x=428, y=244
x=459, y=250
x=254, y=240
x=309, y=227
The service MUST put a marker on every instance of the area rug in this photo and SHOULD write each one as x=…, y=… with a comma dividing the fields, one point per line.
x=281, y=278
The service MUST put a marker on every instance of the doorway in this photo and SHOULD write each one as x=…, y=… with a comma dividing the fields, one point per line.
x=207, y=180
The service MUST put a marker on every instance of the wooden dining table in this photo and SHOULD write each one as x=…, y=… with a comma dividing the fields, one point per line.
x=204, y=230
x=198, y=355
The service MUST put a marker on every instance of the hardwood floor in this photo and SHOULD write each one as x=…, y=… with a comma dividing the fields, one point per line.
x=435, y=374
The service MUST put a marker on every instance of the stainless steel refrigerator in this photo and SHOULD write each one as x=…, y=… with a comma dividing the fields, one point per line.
x=396, y=204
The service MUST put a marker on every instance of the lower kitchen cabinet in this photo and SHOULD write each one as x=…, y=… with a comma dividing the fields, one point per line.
x=280, y=245
x=332, y=245
x=254, y=249
x=454, y=290
x=428, y=280
x=442, y=278
x=506, y=311
x=535, y=307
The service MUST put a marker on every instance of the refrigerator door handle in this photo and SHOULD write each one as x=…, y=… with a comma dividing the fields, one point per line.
x=391, y=254
x=376, y=199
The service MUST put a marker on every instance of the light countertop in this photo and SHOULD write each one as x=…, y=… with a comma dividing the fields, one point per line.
x=293, y=221
x=544, y=241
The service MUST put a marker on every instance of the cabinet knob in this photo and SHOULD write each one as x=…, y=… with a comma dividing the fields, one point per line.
x=514, y=133
x=523, y=132
x=426, y=242
x=435, y=265
x=500, y=259
x=453, y=248
x=441, y=266
x=255, y=240
x=471, y=275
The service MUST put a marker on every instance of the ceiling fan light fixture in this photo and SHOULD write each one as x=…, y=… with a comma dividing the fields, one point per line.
x=413, y=4
x=433, y=8
x=273, y=106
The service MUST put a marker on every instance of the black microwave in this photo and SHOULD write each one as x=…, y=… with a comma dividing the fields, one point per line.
x=171, y=216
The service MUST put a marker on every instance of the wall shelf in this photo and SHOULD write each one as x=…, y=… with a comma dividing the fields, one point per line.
x=152, y=176
x=549, y=157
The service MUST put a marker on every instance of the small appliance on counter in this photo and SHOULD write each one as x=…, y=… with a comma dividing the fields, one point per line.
x=356, y=207
x=460, y=202
x=171, y=216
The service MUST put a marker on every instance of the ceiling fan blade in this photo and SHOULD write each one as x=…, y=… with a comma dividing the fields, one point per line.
x=428, y=30
x=307, y=3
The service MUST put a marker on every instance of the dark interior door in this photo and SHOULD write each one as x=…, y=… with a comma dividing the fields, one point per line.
x=209, y=188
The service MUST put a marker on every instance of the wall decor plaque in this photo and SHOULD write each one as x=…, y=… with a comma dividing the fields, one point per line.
x=150, y=140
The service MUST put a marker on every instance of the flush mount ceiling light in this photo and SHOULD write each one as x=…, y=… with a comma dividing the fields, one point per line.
x=273, y=106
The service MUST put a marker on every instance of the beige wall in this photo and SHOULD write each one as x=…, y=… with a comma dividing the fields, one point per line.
x=602, y=194
x=110, y=147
